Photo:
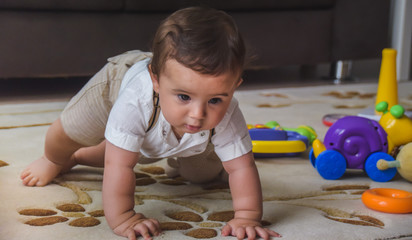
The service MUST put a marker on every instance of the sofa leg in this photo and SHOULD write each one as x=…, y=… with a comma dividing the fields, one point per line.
x=340, y=71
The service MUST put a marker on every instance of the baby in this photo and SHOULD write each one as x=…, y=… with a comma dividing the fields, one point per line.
x=174, y=102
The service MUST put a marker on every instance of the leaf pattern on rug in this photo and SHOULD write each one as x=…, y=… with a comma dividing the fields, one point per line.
x=278, y=95
x=406, y=236
x=349, y=106
x=341, y=95
x=354, y=219
x=25, y=126
x=76, y=211
x=268, y=105
x=337, y=214
x=83, y=197
x=32, y=112
x=349, y=94
x=45, y=217
x=192, y=218
x=369, y=221
x=345, y=187
x=3, y=163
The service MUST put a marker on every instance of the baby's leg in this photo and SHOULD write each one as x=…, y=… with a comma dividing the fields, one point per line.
x=90, y=156
x=201, y=168
x=84, y=118
x=59, y=149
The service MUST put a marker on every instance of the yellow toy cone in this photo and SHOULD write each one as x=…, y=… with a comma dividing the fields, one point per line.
x=388, y=85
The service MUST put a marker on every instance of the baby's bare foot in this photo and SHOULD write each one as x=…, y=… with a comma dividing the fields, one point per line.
x=40, y=172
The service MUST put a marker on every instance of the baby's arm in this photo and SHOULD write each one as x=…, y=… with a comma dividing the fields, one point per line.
x=247, y=200
x=119, y=182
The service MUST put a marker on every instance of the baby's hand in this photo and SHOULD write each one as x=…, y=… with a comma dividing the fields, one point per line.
x=251, y=229
x=138, y=225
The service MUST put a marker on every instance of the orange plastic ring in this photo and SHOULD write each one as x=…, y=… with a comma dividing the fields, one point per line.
x=388, y=200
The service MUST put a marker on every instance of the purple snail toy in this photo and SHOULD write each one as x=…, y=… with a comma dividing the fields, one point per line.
x=354, y=142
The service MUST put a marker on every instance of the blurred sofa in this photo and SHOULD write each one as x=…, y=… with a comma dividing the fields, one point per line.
x=64, y=38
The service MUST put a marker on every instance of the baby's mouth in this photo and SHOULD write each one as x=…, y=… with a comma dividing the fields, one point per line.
x=193, y=128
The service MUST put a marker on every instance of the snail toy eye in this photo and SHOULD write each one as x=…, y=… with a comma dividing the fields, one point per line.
x=397, y=111
x=382, y=107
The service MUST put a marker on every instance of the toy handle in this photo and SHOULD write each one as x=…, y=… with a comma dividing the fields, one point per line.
x=383, y=164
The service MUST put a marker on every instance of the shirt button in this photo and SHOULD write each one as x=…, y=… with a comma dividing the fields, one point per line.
x=164, y=133
x=202, y=134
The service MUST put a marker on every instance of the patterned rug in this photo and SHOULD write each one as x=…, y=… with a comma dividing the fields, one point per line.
x=298, y=203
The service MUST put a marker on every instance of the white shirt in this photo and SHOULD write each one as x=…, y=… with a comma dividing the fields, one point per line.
x=130, y=115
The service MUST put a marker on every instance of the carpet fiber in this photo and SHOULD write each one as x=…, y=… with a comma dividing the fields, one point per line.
x=298, y=203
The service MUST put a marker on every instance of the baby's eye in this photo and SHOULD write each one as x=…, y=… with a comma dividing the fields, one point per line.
x=215, y=100
x=183, y=97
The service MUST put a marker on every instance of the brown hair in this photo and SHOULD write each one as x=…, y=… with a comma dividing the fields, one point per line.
x=203, y=39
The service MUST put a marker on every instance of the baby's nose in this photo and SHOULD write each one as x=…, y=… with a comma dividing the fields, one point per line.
x=198, y=111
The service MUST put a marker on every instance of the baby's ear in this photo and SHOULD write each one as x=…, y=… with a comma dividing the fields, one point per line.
x=155, y=79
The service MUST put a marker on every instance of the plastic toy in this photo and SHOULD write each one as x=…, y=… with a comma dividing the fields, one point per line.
x=359, y=143
x=387, y=85
x=271, y=140
x=388, y=200
x=396, y=124
x=330, y=119
x=303, y=130
x=403, y=162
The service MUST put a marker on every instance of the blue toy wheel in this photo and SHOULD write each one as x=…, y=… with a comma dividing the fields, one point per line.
x=372, y=170
x=312, y=157
x=331, y=165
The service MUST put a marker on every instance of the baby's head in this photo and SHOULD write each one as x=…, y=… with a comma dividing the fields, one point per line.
x=198, y=58
x=202, y=39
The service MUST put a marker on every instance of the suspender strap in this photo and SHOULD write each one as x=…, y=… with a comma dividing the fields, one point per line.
x=212, y=132
x=156, y=109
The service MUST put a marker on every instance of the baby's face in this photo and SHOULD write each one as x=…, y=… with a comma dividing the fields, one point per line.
x=190, y=101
